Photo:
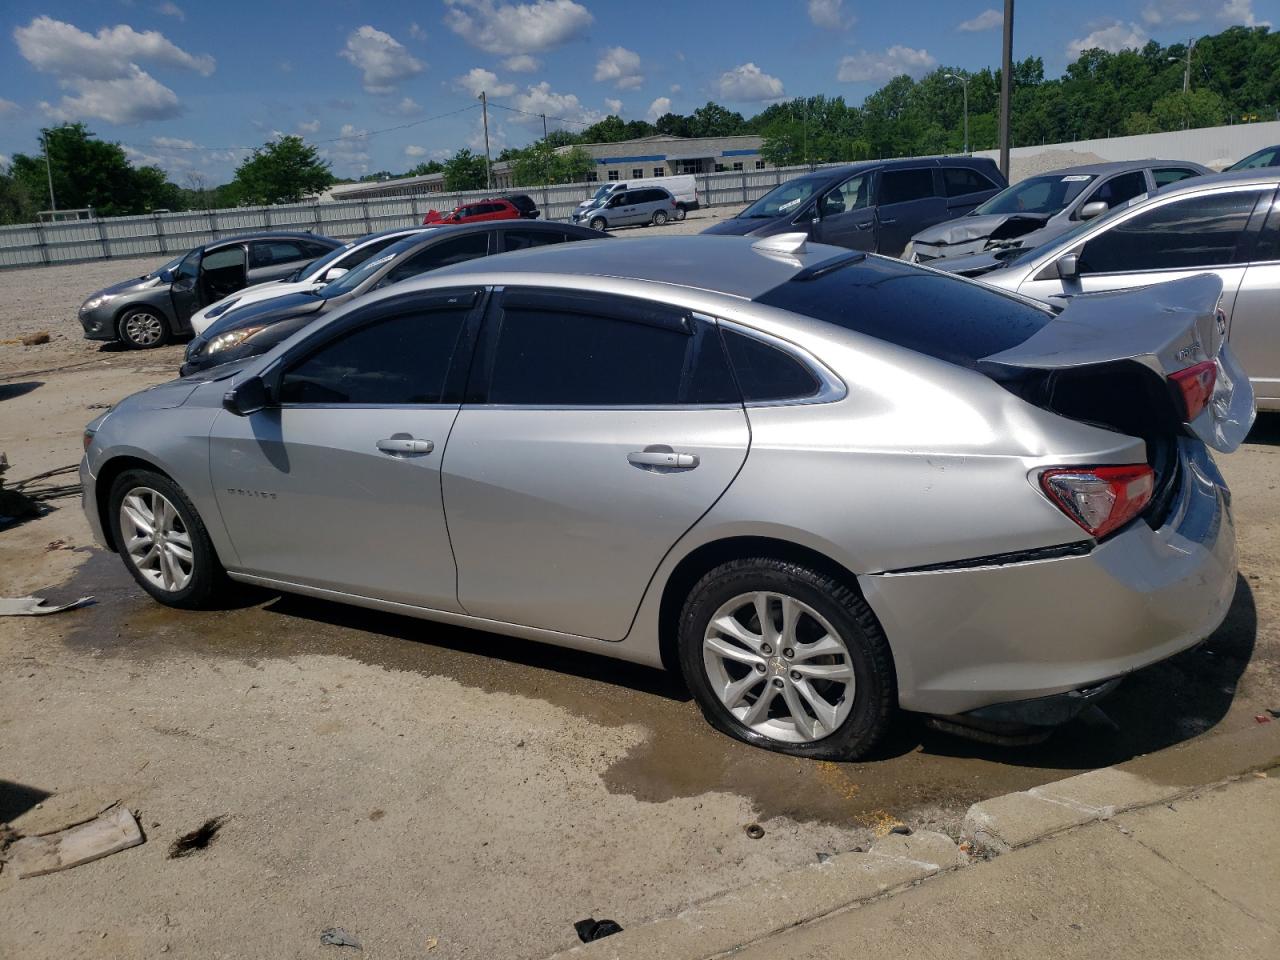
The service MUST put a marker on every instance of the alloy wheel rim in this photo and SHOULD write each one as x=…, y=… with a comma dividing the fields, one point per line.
x=156, y=540
x=778, y=667
x=143, y=329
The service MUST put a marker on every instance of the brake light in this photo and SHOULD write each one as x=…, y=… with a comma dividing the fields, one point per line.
x=674, y=205
x=1100, y=499
x=1196, y=384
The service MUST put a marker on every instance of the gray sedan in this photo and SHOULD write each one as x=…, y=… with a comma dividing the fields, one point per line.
x=823, y=485
x=1042, y=208
x=1227, y=224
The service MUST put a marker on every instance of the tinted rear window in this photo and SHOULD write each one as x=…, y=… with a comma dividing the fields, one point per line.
x=934, y=314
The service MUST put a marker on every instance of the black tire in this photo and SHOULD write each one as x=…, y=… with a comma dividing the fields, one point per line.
x=208, y=580
x=842, y=606
x=142, y=328
x=659, y=217
x=597, y=223
x=681, y=213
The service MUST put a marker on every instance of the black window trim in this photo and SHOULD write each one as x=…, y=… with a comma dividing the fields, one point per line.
x=831, y=388
x=1248, y=241
x=423, y=300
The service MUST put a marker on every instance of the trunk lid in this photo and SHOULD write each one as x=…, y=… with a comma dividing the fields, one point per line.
x=1108, y=358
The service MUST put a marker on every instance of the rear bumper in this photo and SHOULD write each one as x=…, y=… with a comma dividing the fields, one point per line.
x=964, y=639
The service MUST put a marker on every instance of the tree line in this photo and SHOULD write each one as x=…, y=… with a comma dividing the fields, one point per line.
x=1233, y=79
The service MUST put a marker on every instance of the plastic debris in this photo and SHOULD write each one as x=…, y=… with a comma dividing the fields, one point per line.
x=901, y=829
x=113, y=830
x=197, y=839
x=35, y=606
x=592, y=929
x=754, y=831
x=337, y=937
x=1262, y=718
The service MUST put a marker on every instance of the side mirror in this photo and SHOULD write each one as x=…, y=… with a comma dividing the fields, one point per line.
x=1069, y=266
x=333, y=273
x=247, y=397
x=166, y=276
x=1094, y=208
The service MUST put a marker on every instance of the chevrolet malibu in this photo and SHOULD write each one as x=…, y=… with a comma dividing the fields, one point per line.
x=822, y=485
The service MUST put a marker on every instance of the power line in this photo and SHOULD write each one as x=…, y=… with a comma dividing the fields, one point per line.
x=353, y=136
x=545, y=116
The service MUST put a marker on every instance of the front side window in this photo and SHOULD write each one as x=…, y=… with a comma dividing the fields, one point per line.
x=442, y=254
x=958, y=181
x=546, y=357
x=1119, y=190
x=189, y=268
x=1204, y=230
x=853, y=194
x=400, y=360
x=903, y=186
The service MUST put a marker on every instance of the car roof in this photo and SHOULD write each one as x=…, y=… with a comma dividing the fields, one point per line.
x=1262, y=176
x=272, y=235
x=1119, y=166
x=730, y=265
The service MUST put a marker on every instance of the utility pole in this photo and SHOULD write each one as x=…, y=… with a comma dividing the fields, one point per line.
x=544, y=125
x=48, y=169
x=488, y=165
x=1186, y=73
x=1006, y=86
x=964, y=84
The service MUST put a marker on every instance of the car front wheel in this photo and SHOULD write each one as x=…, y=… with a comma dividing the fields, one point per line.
x=143, y=328
x=163, y=542
x=597, y=223
x=787, y=658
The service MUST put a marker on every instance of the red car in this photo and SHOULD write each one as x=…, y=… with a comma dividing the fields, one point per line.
x=496, y=208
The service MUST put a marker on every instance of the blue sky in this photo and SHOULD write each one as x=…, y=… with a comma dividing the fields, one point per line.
x=189, y=85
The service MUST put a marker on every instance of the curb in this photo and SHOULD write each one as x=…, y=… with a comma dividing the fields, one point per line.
x=730, y=920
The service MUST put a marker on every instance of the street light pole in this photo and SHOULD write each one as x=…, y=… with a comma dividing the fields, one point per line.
x=1006, y=86
x=1186, y=73
x=964, y=85
x=488, y=165
x=48, y=169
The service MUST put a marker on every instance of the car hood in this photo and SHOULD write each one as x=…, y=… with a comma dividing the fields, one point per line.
x=986, y=264
x=128, y=286
x=202, y=320
x=264, y=311
x=965, y=229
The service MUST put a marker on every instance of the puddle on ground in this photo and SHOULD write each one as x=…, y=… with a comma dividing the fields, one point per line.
x=918, y=773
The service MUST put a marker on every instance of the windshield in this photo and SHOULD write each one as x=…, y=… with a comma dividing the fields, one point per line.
x=1045, y=195
x=353, y=278
x=316, y=269
x=1266, y=157
x=786, y=198
x=601, y=193
x=171, y=265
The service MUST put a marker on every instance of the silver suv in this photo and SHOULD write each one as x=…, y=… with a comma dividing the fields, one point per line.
x=639, y=205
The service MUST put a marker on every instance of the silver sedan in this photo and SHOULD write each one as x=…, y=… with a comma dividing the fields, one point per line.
x=822, y=485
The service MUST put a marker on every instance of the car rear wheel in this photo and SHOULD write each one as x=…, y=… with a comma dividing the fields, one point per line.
x=659, y=217
x=681, y=213
x=143, y=328
x=163, y=542
x=597, y=223
x=787, y=658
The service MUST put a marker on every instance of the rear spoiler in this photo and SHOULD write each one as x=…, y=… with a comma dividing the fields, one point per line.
x=1166, y=327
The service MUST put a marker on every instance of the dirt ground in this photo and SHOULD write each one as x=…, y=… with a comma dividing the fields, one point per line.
x=414, y=783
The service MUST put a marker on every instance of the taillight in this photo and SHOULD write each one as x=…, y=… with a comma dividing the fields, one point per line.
x=1196, y=384
x=1100, y=499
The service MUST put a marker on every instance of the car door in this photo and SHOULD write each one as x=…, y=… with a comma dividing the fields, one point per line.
x=1183, y=235
x=223, y=271
x=907, y=201
x=845, y=215
x=443, y=252
x=623, y=209
x=337, y=485
x=601, y=430
x=1255, y=322
x=184, y=291
x=1118, y=190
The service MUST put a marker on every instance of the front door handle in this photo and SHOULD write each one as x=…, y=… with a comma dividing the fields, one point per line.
x=864, y=226
x=894, y=220
x=659, y=456
x=403, y=445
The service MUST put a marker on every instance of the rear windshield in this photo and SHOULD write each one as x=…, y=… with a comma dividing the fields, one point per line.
x=932, y=313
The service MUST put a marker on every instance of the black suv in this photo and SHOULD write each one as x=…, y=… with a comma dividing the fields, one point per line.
x=524, y=203
x=876, y=206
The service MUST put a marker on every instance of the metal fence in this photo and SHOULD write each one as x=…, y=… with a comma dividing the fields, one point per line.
x=169, y=234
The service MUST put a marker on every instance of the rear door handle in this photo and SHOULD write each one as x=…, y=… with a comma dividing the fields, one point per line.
x=894, y=220
x=661, y=456
x=403, y=445
x=868, y=226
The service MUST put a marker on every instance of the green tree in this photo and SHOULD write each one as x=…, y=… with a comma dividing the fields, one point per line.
x=1198, y=108
x=573, y=165
x=281, y=171
x=423, y=169
x=16, y=203
x=465, y=171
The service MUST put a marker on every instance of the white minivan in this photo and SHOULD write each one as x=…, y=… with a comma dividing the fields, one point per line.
x=683, y=188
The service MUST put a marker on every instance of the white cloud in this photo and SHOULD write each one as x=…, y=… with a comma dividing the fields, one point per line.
x=171, y=10
x=134, y=98
x=658, y=108
x=1113, y=37
x=830, y=15
x=285, y=66
x=747, y=82
x=173, y=143
x=675, y=88
x=621, y=67
x=507, y=28
x=415, y=152
x=350, y=155
x=867, y=67
x=416, y=32
x=168, y=162
x=1231, y=12
x=4, y=163
x=613, y=103
x=7, y=106
x=407, y=107
x=1241, y=12
x=497, y=137
x=53, y=46
x=540, y=98
x=522, y=63
x=477, y=79
x=309, y=126
x=988, y=19
x=382, y=59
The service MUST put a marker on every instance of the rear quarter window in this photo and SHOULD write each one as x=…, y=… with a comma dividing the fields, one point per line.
x=931, y=313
